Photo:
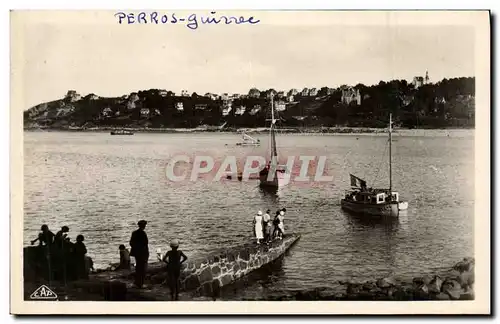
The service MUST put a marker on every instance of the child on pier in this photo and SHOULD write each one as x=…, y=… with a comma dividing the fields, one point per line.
x=173, y=260
x=124, y=258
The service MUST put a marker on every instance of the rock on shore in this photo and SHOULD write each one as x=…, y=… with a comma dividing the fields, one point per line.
x=456, y=283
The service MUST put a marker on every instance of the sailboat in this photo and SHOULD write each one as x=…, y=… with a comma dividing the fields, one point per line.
x=272, y=174
x=376, y=202
x=248, y=141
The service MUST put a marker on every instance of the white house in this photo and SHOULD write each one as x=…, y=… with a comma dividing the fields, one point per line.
x=313, y=92
x=106, y=112
x=144, y=112
x=240, y=110
x=179, y=106
x=419, y=81
x=280, y=106
x=351, y=95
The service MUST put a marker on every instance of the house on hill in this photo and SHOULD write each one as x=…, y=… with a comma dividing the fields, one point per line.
x=144, y=112
x=72, y=96
x=351, y=94
x=313, y=92
x=280, y=106
x=419, y=81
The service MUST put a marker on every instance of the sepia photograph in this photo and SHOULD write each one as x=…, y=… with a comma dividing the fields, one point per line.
x=311, y=159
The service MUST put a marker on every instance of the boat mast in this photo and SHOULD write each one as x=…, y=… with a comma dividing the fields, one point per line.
x=390, y=154
x=273, y=137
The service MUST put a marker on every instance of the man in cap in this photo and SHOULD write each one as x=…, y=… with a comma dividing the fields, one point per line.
x=140, y=251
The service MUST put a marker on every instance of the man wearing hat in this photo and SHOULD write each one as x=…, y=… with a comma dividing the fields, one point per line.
x=140, y=251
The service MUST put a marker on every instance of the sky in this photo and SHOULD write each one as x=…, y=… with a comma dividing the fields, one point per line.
x=92, y=53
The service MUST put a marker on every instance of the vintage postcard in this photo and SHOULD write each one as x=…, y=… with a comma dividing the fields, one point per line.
x=250, y=162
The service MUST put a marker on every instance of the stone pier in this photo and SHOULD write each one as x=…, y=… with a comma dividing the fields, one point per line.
x=199, y=276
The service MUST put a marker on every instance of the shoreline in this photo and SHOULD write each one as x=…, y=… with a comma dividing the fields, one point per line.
x=450, y=283
x=257, y=130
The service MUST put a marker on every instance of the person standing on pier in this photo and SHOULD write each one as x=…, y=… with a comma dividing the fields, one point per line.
x=45, y=238
x=257, y=222
x=140, y=251
x=174, y=259
x=281, y=225
x=267, y=226
x=79, y=252
x=276, y=224
x=62, y=237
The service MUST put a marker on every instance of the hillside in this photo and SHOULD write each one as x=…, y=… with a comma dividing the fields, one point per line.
x=448, y=103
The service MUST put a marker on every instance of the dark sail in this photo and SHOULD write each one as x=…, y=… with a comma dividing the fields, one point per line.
x=357, y=182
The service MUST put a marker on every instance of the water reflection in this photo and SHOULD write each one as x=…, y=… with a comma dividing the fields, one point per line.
x=390, y=224
x=376, y=239
x=269, y=194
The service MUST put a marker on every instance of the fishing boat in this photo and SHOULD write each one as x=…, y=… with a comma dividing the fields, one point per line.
x=121, y=132
x=248, y=141
x=272, y=175
x=375, y=202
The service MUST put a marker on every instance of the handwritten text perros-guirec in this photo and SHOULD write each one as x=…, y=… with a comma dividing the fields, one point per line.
x=191, y=21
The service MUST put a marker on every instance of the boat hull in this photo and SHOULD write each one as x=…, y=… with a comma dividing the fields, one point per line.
x=385, y=209
x=276, y=182
x=121, y=133
x=248, y=144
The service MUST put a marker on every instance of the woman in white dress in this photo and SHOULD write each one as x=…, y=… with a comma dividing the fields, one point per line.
x=281, y=224
x=258, y=228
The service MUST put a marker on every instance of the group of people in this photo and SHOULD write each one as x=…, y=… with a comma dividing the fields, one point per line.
x=265, y=229
x=66, y=259
x=140, y=251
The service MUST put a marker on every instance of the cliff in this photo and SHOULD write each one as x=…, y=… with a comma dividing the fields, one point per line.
x=448, y=103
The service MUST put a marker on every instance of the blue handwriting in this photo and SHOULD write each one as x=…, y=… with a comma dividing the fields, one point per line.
x=191, y=22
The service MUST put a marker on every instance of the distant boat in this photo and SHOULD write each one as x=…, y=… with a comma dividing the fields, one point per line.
x=375, y=202
x=121, y=132
x=249, y=141
x=272, y=166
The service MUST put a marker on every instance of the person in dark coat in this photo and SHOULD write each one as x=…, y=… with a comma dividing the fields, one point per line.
x=140, y=251
x=62, y=237
x=79, y=252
